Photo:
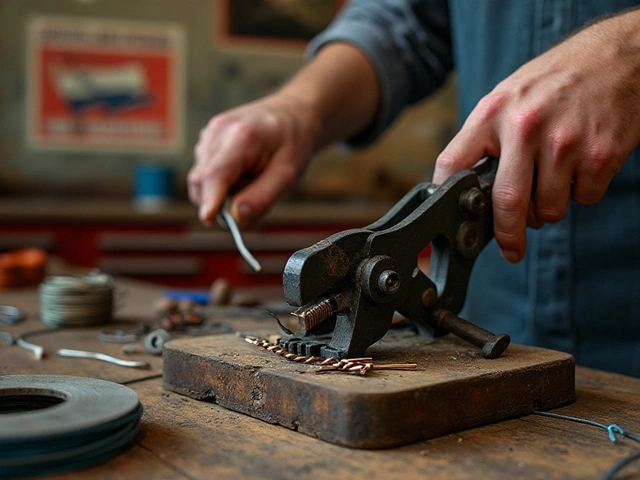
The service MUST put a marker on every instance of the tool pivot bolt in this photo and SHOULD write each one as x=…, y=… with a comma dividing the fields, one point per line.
x=389, y=282
x=473, y=200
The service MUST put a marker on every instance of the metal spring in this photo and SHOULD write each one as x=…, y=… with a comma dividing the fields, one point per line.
x=314, y=315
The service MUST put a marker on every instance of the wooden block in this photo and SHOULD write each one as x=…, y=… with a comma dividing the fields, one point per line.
x=453, y=387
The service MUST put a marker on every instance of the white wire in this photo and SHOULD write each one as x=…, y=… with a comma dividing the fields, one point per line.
x=237, y=237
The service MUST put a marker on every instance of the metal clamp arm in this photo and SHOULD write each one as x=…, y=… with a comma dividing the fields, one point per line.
x=361, y=277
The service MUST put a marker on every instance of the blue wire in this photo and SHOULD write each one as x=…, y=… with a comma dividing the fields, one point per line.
x=611, y=430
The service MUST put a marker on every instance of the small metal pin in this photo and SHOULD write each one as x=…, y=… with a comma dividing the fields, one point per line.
x=358, y=366
x=38, y=351
x=396, y=366
x=6, y=336
x=65, y=352
x=225, y=212
x=313, y=360
x=326, y=369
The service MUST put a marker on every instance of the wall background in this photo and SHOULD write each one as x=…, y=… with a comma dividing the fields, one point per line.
x=218, y=76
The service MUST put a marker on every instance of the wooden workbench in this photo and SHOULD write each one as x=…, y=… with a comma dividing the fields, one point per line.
x=183, y=438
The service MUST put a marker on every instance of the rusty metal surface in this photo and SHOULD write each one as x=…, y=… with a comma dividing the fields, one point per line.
x=368, y=274
x=453, y=387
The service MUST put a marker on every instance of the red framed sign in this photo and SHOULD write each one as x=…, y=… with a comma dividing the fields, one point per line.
x=105, y=85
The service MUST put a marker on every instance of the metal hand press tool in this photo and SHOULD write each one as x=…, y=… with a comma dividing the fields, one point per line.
x=349, y=286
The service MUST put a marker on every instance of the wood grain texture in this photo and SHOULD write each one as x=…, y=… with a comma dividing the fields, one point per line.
x=186, y=438
x=183, y=438
x=453, y=387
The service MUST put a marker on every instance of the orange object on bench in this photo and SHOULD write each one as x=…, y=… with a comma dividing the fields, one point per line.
x=22, y=267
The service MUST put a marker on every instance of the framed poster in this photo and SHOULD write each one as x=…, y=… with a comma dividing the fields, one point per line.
x=268, y=24
x=104, y=85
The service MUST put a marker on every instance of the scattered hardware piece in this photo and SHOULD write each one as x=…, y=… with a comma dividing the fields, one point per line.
x=186, y=306
x=37, y=350
x=122, y=335
x=65, y=352
x=10, y=314
x=165, y=305
x=9, y=338
x=154, y=341
x=22, y=267
x=363, y=366
x=93, y=420
x=237, y=237
x=77, y=301
x=132, y=348
x=179, y=321
x=118, y=337
x=220, y=292
x=359, y=366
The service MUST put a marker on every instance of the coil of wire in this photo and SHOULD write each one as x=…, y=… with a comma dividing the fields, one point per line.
x=56, y=423
x=76, y=301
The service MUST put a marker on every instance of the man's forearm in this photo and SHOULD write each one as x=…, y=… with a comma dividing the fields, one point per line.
x=339, y=91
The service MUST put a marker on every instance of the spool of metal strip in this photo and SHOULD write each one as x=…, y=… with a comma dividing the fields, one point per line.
x=76, y=301
x=56, y=423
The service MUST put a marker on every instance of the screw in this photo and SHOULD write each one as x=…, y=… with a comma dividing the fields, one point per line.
x=389, y=282
x=473, y=200
x=469, y=239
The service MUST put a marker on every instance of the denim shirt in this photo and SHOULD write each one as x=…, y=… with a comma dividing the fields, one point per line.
x=578, y=288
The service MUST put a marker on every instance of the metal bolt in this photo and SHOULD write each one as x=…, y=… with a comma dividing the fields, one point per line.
x=469, y=239
x=473, y=200
x=429, y=297
x=389, y=282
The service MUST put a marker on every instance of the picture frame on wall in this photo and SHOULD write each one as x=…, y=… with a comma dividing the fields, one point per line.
x=272, y=24
x=103, y=85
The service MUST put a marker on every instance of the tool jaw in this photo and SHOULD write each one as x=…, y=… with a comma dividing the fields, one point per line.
x=314, y=271
x=349, y=285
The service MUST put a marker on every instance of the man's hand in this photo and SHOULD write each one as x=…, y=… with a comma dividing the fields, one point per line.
x=270, y=140
x=562, y=125
x=266, y=141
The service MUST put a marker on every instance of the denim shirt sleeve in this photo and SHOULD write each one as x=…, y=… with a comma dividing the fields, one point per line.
x=408, y=43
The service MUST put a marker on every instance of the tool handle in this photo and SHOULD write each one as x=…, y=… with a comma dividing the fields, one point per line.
x=492, y=345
